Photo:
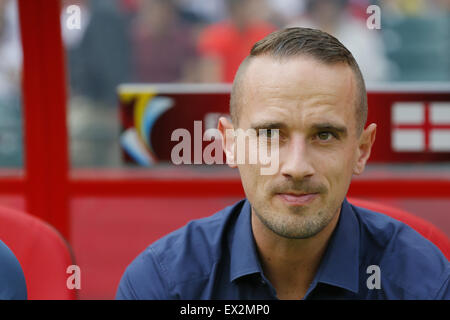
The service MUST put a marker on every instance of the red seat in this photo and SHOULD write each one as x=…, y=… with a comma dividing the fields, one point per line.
x=42, y=252
x=422, y=226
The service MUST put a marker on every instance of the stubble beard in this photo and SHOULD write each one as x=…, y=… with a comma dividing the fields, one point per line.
x=296, y=223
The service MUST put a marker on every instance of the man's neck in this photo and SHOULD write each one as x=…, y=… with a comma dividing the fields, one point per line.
x=290, y=264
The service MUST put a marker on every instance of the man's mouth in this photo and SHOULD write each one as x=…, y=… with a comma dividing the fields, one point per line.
x=297, y=199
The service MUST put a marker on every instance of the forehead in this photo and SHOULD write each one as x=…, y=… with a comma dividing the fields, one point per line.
x=284, y=88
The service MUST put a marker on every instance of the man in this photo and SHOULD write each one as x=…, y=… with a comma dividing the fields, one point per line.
x=295, y=236
x=12, y=280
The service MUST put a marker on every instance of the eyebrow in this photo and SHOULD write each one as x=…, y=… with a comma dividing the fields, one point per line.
x=342, y=130
x=268, y=125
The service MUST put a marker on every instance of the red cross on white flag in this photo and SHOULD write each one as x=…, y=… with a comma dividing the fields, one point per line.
x=420, y=127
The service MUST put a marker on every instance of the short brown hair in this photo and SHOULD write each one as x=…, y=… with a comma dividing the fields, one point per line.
x=314, y=43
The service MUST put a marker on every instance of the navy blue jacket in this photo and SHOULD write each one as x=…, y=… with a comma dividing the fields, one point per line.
x=12, y=280
x=216, y=258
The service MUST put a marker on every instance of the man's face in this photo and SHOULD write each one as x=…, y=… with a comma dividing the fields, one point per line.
x=313, y=106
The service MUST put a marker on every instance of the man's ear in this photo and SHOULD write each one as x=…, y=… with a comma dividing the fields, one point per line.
x=364, y=147
x=228, y=140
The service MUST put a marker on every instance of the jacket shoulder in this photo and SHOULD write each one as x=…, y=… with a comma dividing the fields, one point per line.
x=411, y=266
x=185, y=255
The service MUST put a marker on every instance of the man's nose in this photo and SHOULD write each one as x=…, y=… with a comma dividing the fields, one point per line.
x=295, y=159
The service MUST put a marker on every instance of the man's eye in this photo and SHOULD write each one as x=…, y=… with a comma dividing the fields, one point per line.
x=269, y=133
x=325, y=136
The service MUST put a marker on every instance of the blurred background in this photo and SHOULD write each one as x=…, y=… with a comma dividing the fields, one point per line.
x=195, y=41
x=201, y=42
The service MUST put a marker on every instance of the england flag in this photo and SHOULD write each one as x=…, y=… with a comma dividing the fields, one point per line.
x=421, y=127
